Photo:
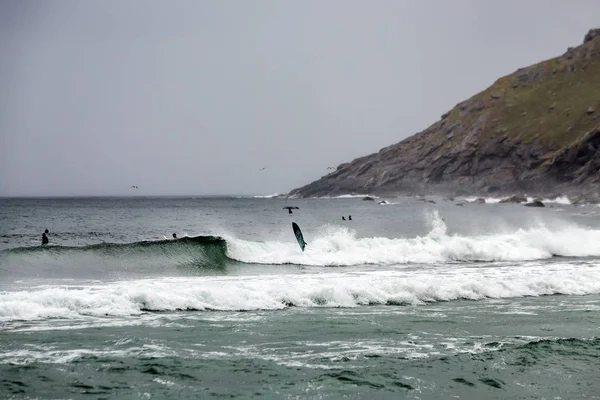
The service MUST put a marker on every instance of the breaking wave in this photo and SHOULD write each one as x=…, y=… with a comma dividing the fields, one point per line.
x=562, y=200
x=337, y=246
x=273, y=292
x=195, y=253
x=334, y=246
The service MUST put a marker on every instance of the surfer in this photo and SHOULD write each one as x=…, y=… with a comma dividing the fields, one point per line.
x=349, y=217
x=343, y=218
x=44, y=237
x=174, y=236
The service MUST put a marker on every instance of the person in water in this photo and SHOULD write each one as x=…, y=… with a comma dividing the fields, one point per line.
x=174, y=236
x=343, y=218
x=349, y=217
x=44, y=237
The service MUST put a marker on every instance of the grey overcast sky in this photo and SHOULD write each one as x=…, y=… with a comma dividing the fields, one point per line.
x=195, y=97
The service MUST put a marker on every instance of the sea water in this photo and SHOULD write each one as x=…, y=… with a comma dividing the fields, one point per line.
x=409, y=299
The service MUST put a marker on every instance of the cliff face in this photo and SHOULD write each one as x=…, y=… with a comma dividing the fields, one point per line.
x=537, y=129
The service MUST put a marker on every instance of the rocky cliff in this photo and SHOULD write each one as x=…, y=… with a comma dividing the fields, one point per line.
x=536, y=130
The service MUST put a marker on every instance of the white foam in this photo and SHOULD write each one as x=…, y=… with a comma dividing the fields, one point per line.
x=273, y=292
x=388, y=203
x=268, y=196
x=564, y=200
x=318, y=354
x=488, y=200
x=347, y=196
x=31, y=353
x=339, y=246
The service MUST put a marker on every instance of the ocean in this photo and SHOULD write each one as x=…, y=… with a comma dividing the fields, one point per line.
x=408, y=300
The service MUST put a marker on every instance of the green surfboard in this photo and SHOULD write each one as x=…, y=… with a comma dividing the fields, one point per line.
x=299, y=236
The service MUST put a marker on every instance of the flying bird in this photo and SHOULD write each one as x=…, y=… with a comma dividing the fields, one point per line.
x=134, y=187
x=290, y=208
x=330, y=167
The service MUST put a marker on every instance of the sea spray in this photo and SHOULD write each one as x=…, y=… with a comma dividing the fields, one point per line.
x=339, y=246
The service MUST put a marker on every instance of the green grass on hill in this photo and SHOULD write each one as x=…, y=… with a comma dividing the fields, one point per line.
x=550, y=110
x=553, y=111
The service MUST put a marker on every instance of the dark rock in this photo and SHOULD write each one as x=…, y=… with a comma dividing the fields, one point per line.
x=535, y=203
x=368, y=198
x=479, y=200
x=515, y=199
x=592, y=33
x=576, y=200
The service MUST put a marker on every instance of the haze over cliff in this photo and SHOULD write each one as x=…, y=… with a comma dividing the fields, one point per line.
x=535, y=130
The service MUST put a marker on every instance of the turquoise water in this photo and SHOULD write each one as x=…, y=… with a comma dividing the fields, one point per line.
x=408, y=300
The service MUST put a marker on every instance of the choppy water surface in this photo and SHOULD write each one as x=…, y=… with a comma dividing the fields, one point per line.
x=407, y=300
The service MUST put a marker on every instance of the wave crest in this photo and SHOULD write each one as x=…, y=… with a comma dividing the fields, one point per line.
x=274, y=292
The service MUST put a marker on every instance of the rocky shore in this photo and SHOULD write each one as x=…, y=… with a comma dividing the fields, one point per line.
x=536, y=131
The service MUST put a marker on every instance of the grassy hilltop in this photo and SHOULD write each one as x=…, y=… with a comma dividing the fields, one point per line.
x=535, y=130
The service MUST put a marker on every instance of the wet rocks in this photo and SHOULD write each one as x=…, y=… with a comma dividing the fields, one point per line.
x=515, y=199
x=535, y=203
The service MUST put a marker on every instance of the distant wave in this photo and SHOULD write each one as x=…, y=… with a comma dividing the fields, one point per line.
x=388, y=203
x=346, y=196
x=563, y=200
x=488, y=200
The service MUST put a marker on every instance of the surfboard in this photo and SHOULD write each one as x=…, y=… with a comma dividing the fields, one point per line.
x=299, y=236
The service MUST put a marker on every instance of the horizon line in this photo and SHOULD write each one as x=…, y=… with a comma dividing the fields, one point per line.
x=133, y=196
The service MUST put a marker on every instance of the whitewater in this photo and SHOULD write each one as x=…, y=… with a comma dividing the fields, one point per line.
x=417, y=299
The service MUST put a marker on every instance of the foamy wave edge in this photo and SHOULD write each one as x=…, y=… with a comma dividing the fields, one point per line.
x=315, y=290
x=339, y=246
